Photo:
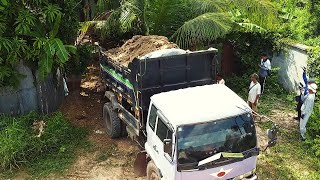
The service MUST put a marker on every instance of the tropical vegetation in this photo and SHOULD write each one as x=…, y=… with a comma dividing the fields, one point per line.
x=188, y=22
x=29, y=32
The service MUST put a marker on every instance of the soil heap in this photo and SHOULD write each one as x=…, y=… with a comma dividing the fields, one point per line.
x=138, y=46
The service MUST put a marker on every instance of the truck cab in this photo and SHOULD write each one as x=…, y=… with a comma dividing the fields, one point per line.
x=203, y=132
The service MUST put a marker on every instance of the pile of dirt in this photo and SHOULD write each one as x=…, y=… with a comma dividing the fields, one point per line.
x=139, y=46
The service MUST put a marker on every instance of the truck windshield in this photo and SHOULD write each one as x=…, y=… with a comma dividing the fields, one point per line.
x=199, y=141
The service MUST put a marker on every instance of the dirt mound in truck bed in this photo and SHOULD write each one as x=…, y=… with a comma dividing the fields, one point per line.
x=139, y=46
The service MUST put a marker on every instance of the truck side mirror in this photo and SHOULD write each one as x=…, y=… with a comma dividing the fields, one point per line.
x=167, y=144
x=272, y=136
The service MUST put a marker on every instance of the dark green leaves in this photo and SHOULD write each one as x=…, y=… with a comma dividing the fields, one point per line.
x=56, y=26
x=24, y=22
x=60, y=50
x=52, y=51
x=51, y=12
x=28, y=32
x=3, y=4
x=204, y=28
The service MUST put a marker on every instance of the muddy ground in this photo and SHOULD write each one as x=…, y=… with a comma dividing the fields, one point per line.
x=108, y=159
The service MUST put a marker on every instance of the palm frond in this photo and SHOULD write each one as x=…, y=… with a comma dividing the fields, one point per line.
x=205, y=6
x=204, y=28
x=102, y=5
x=131, y=11
x=260, y=12
x=166, y=16
x=250, y=27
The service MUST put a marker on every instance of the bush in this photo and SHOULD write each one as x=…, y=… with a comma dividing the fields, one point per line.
x=240, y=84
x=79, y=62
x=20, y=145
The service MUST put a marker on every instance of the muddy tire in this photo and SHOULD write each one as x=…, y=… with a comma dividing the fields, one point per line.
x=152, y=171
x=113, y=123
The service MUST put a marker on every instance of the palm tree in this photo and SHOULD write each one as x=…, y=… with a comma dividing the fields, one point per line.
x=193, y=22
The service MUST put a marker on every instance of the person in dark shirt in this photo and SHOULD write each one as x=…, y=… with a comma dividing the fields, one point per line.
x=265, y=67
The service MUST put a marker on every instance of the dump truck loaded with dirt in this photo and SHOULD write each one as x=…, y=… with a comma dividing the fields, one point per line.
x=164, y=99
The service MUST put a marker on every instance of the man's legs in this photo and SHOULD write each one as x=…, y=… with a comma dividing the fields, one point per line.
x=254, y=108
x=299, y=110
x=303, y=123
x=262, y=81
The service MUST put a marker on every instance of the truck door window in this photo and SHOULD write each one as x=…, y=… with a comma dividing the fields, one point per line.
x=165, y=135
x=163, y=132
x=153, y=117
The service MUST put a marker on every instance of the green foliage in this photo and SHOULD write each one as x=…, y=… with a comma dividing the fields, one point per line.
x=190, y=23
x=69, y=25
x=248, y=47
x=19, y=144
x=79, y=62
x=28, y=32
x=204, y=28
x=299, y=20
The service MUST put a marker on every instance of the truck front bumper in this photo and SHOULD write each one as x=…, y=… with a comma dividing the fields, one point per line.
x=251, y=177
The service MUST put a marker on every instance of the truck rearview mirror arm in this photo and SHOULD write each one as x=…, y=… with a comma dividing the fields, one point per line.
x=167, y=146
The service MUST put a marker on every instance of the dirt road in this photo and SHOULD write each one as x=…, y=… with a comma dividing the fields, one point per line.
x=108, y=159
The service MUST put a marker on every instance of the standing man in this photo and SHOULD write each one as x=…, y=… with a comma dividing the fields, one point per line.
x=303, y=92
x=265, y=67
x=220, y=79
x=306, y=109
x=254, y=92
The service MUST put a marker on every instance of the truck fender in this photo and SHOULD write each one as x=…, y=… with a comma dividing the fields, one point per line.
x=113, y=99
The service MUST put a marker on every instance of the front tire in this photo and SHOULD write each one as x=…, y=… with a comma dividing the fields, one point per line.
x=113, y=124
x=152, y=171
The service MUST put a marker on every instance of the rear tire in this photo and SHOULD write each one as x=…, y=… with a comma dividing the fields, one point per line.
x=152, y=171
x=113, y=123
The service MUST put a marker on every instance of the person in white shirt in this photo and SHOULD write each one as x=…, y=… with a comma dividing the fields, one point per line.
x=220, y=79
x=307, y=108
x=254, y=92
x=265, y=67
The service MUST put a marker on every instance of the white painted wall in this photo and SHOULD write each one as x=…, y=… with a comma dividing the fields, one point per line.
x=290, y=64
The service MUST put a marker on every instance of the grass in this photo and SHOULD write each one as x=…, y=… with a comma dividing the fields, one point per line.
x=290, y=158
x=54, y=151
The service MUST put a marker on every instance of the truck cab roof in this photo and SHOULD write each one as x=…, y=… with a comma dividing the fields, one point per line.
x=199, y=104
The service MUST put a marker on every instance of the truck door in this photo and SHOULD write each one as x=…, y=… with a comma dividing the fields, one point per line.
x=164, y=142
x=157, y=133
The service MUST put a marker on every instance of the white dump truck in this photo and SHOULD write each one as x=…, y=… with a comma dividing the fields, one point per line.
x=188, y=127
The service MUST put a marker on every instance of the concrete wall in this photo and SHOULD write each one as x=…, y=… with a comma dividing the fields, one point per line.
x=290, y=64
x=33, y=94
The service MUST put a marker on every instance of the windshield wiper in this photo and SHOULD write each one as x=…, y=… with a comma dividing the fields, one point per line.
x=218, y=156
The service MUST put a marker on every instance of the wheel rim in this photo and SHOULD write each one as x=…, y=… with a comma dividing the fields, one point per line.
x=107, y=119
x=154, y=176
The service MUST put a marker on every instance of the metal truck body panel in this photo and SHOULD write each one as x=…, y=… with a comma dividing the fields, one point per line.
x=135, y=84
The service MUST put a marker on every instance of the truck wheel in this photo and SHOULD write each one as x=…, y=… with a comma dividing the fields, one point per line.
x=113, y=123
x=152, y=171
